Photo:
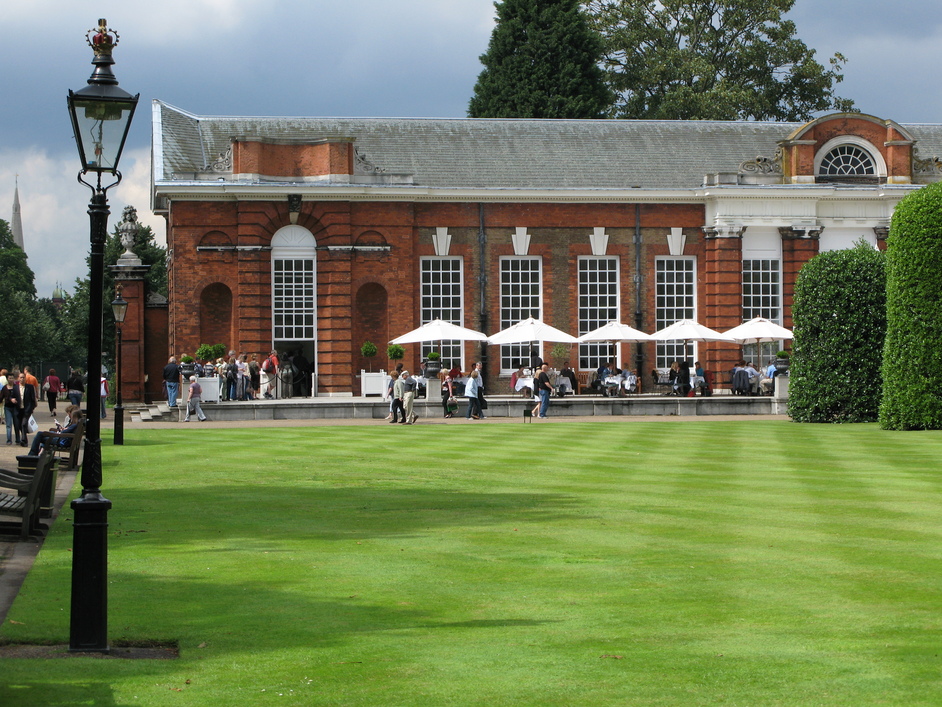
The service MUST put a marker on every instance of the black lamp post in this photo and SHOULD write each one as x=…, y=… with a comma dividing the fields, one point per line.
x=101, y=116
x=119, y=307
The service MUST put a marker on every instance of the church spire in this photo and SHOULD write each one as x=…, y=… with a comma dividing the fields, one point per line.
x=16, y=224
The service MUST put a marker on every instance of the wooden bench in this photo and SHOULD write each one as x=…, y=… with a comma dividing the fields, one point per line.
x=68, y=455
x=27, y=505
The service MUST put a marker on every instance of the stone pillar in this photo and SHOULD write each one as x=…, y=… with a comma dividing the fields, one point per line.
x=129, y=275
x=799, y=245
x=131, y=280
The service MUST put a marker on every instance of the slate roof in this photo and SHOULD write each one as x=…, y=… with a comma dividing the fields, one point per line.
x=502, y=154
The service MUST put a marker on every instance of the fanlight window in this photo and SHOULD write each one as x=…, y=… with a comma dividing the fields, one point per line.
x=847, y=160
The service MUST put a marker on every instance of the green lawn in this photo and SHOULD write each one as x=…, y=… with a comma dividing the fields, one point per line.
x=592, y=563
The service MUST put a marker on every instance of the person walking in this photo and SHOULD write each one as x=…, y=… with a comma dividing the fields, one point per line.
x=104, y=395
x=75, y=387
x=399, y=390
x=448, y=392
x=471, y=393
x=546, y=390
x=53, y=386
x=482, y=403
x=172, y=375
x=10, y=395
x=194, y=393
x=27, y=394
x=408, y=397
x=270, y=376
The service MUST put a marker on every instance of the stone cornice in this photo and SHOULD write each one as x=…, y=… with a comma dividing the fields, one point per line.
x=224, y=191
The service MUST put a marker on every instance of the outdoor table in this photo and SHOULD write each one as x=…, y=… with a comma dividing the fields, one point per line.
x=524, y=383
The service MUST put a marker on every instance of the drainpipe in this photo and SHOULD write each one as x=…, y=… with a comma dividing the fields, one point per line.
x=482, y=281
x=639, y=292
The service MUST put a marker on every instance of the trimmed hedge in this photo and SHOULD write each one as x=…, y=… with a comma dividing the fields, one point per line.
x=839, y=314
x=912, y=355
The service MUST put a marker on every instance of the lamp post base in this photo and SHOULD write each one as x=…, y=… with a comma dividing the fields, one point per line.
x=89, y=622
x=119, y=423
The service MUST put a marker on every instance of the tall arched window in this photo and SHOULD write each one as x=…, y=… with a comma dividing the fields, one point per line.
x=294, y=285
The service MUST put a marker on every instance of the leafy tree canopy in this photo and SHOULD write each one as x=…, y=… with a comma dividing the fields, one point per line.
x=16, y=272
x=712, y=60
x=542, y=62
x=75, y=311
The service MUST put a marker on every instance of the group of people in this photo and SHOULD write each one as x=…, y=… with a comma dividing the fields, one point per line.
x=748, y=380
x=402, y=386
x=21, y=393
x=615, y=382
x=401, y=390
x=241, y=377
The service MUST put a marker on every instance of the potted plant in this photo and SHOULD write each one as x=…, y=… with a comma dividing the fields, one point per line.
x=782, y=360
x=433, y=364
x=186, y=364
x=559, y=354
x=368, y=350
x=394, y=352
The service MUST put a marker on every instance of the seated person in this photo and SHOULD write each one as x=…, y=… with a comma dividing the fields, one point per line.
x=767, y=382
x=41, y=439
x=629, y=383
x=753, y=378
x=566, y=380
x=611, y=383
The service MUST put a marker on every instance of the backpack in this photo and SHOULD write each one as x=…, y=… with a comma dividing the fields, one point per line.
x=267, y=365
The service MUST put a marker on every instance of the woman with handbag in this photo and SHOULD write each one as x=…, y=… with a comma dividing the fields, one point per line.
x=52, y=387
x=27, y=405
x=448, y=397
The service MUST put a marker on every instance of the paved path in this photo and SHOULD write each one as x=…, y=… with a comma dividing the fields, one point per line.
x=16, y=558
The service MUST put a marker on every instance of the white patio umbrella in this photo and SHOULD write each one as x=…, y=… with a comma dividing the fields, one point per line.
x=758, y=330
x=530, y=330
x=438, y=330
x=687, y=330
x=614, y=331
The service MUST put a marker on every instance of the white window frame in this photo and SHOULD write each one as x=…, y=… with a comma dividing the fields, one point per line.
x=510, y=314
x=452, y=351
x=591, y=356
x=293, y=298
x=878, y=162
x=669, y=351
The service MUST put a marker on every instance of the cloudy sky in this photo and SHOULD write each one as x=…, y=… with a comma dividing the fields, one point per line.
x=406, y=58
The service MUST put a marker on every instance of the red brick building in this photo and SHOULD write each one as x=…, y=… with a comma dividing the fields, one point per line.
x=318, y=234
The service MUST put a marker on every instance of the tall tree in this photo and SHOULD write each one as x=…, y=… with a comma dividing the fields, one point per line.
x=542, y=62
x=75, y=317
x=30, y=328
x=712, y=60
x=16, y=272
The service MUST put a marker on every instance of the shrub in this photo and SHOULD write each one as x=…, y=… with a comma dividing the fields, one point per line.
x=912, y=355
x=395, y=352
x=368, y=349
x=433, y=356
x=839, y=316
x=210, y=352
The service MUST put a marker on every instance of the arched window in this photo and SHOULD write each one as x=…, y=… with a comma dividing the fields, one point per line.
x=847, y=159
x=851, y=160
x=294, y=285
